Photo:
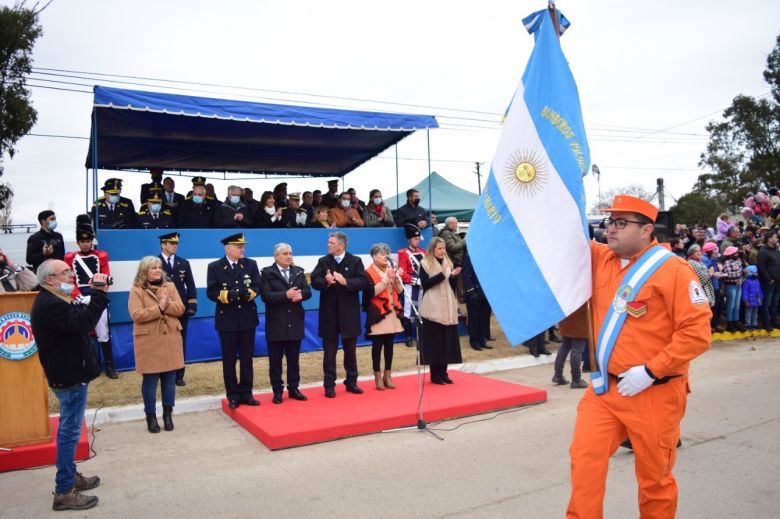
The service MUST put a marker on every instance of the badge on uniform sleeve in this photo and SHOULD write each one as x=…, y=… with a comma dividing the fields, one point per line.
x=698, y=297
x=636, y=309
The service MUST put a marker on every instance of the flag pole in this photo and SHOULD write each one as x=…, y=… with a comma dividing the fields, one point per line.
x=554, y=15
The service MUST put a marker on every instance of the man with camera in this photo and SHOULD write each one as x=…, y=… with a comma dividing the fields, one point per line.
x=46, y=243
x=61, y=331
x=85, y=263
x=233, y=282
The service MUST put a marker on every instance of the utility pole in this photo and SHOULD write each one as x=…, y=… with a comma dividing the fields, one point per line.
x=660, y=192
x=479, y=177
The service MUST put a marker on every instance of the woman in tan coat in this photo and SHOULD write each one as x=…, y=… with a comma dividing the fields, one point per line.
x=154, y=306
x=380, y=302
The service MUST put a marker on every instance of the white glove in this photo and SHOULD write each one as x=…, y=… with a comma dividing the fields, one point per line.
x=82, y=299
x=634, y=381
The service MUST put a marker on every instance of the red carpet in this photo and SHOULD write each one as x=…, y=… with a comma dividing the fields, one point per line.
x=42, y=453
x=319, y=419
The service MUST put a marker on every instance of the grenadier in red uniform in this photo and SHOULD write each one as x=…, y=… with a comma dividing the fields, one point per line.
x=85, y=263
x=409, y=259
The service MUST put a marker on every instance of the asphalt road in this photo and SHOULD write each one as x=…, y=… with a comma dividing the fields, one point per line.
x=513, y=465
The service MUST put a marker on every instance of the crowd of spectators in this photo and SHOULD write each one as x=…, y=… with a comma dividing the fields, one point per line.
x=161, y=207
x=738, y=265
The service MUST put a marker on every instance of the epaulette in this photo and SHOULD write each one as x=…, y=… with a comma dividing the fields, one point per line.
x=167, y=212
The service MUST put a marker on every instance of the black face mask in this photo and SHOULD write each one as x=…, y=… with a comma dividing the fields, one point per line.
x=415, y=202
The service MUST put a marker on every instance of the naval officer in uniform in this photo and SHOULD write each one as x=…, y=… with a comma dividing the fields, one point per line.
x=233, y=282
x=179, y=272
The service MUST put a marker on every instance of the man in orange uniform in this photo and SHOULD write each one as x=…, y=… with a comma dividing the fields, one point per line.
x=648, y=329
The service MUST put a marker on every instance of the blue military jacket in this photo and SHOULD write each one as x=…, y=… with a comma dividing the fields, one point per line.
x=234, y=292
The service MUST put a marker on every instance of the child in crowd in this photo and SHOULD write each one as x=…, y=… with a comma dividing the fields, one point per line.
x=732, y=281
x=752, y=297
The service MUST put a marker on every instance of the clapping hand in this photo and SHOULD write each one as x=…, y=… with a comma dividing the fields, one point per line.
x=456, y=272
x=294, y=294
x=340, y=278
x=330, y=278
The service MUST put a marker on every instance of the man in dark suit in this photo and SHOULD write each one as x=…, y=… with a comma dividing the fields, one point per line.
x=195, y=212
x=283, y=289
x=46, y=243
x=233, y=282
x=170, y=196
x=340, y=278
x=179, y=271
x=294, y=216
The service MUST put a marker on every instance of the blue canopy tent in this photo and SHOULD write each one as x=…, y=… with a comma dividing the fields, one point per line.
x=136, y=130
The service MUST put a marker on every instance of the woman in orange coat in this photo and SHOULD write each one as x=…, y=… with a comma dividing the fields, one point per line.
x=154, y=307
x=383, y=310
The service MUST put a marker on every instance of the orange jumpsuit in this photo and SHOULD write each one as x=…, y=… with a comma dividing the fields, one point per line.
x=674, y=330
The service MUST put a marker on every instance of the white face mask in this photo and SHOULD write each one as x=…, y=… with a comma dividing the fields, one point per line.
x=377, y=200
x=345, y=204
x=270, y=210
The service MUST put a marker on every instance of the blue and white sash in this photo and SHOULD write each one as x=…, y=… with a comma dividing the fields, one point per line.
x=632, y=281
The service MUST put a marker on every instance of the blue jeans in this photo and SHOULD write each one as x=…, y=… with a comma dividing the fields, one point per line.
x=733, y=297
x=751, y=316
x=149, y=389
x=73, y=403
x=771, y=299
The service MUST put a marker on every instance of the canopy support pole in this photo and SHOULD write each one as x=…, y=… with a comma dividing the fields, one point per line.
x=96, y=221
x=430, y=188
x=397, y=186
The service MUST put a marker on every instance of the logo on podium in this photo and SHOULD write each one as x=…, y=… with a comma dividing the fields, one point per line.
x=16, y=337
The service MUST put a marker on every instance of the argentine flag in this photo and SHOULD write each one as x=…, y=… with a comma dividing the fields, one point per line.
x=528, y=238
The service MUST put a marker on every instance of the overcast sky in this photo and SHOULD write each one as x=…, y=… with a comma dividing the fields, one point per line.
x=650, y=76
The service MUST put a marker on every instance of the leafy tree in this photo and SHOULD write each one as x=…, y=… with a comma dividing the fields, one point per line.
x=743, y=153
x=607, y=196
x=694, y=208
x=19, y=28
x=6, y=199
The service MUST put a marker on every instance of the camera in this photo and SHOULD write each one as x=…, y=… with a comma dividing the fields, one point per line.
x=109, y=281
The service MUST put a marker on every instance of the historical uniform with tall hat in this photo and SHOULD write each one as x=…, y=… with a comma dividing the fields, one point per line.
x=233, y=282
x=85, y=263
x=113, y=211
x=155, y=214
x=409, y=259
x=180, y=273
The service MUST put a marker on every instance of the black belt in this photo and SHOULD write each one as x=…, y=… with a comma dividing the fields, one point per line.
x=656, y=382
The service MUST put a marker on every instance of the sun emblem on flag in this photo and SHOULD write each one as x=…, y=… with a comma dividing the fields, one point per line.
x=525, y=172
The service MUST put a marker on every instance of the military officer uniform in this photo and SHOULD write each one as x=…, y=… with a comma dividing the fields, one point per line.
x=161, y=219
x=233, y=285
x=147, y=189
x=113, y=214
x=179, y=271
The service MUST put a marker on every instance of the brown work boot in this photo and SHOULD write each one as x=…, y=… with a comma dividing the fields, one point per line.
x=83, y=483
x=73, y=501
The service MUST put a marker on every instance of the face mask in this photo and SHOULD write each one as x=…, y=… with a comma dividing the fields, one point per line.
x=345, y=204
x=270, y=210
x=155, y=208
x=66, y=288
x=52, y=225
x=377, y=200
x=113, y=199
x=235, y=199
x=197, y=199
